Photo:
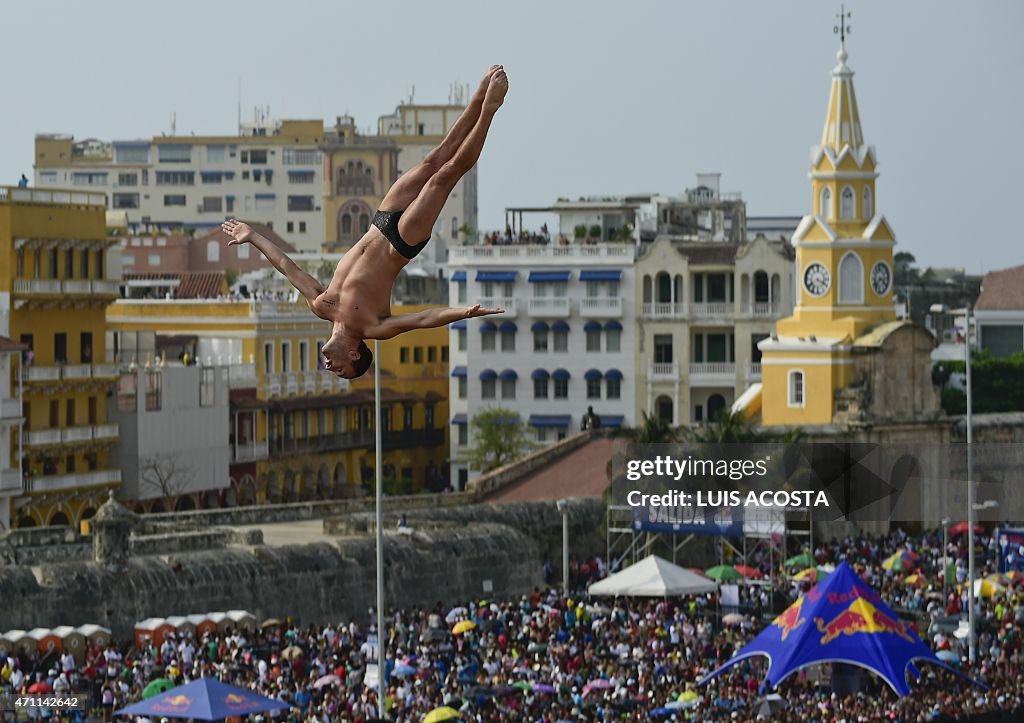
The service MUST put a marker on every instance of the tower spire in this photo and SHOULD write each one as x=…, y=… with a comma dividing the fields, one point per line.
x=841, y=28
x=842, y=119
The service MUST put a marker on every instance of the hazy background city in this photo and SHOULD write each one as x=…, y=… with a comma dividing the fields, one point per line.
x=607, y=98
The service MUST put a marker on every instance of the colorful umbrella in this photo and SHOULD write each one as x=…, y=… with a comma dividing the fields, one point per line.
x=901, y=561
x=41, y=687
x=812, y=574
x=454, y=614
x=522, y=685
x=544, y=688
x=463, y=626
x=916, y=580
x=403, y=671
x=158, y=686
x=733, y=619
x=960, y=528
x=326, y=680
x=438, y=715
x=599, y=684
x=291, y=652
x=750, y=572
x=720, y=573
x=802, y=560
x=270, y=623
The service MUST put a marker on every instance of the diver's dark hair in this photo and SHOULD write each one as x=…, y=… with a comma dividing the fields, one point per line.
x=364, y=361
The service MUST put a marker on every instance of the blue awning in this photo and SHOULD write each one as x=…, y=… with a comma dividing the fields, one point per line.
x=488, y=327
x=459, y=419
x=508, y=326
x=559, y=326
x=612, y=420
x=550, y=420
x=540, y=374
x=265, y=196
x=459, y=276
x=488, y=374
x=601, y=275
x=496, y=275
x=509, y=374
x=542, y=276
x=613, y=374
x=560, y=374
x=539, y=326
x=459, y=372
x=612, y=326
x=592, y=326
x=460, y=324
x=592, y=374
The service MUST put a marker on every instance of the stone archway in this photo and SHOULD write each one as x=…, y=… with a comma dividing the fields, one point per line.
x=716, y=403
x=184, y=503
x=58, y=519
x=245, y=491
x=288, y=489
x=273, y=490
x=665, y=409
x=340, y=479
x=26, y=521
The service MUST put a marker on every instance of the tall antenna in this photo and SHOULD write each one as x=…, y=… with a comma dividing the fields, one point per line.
x=842, y=28
x=239, y=105
x=174, y=123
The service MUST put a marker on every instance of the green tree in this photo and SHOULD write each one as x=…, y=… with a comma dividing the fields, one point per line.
x=731, y=428
x=655, y=430
x=580, y=231
x=499, y=438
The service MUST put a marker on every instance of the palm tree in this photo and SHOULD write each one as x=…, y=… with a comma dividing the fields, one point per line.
x=654, y=430
x=731, y=428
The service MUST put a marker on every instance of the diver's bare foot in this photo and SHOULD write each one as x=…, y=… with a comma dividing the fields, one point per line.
x=496, y=90
x=482, y=88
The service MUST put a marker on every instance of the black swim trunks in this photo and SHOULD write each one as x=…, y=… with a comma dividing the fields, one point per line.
x=387, y=222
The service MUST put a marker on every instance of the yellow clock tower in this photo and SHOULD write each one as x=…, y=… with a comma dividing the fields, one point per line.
x=844, y=271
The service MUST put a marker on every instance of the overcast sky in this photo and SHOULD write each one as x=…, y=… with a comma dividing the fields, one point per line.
x=606, y=97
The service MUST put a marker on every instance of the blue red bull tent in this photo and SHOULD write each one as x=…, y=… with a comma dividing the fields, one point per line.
x=840, y=620
x=204, y=699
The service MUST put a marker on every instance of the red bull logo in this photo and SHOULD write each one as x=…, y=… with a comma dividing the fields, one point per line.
x=235, y=701
x=173, y=704
x=790, y=619
x=860, y=617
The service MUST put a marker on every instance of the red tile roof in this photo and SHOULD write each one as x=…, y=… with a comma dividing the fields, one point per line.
x=1002, y=290
x=192, y=284
x=269, y=233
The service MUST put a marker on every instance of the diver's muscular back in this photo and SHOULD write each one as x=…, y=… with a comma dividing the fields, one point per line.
x=359, y=294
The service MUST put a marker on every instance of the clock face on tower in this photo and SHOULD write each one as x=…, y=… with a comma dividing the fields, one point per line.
x=881, y=278
x=817, y=279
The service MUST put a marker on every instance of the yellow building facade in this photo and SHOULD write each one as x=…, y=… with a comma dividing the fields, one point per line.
x=297, y=432
x=844, y=270
x=54, y=289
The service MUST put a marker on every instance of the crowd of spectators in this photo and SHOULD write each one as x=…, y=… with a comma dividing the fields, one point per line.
x=550, y=657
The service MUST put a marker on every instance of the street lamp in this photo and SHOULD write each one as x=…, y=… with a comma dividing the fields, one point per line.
x=563, y=507
x=970, y=493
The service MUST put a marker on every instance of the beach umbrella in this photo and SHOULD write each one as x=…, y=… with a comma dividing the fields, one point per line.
x=902, y=561
x=802, y=560
x=733, y=619
x=41, y=687
x=291, y=652
x=770, y=705
x=749, y=572
x=326, y=680
x=454, y=614
x=463, y=626
x=158, y=686
x=203, y=699
x=659, y=712
x=916, y=580
x=522, y=685
x=438, y=715
x=720, y=573
x=599, y=684
x=948, y=656
x=404, y=671
x=960, y=528
x=812, y=574
x=544, y=688
x=270, y=623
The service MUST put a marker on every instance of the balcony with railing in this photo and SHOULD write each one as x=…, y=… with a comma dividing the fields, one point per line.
x=10, y=409
x=765, y=309
x=664, y=310
x=405, y=438
x=242, y=376
x=754, y=371
x=105, y=432
x=70, y=435
x=37, y=195
x=712, y=309
x=37, y=437
x=616, y=253
x=712, y=374
x=70, y=287
x=62, y=482
x=10, y=480
x=68, y=372
x=663, y=372
x=552, y=308
x=250, y=452
x=500, y=302
x=282, y=446
x=597, y=307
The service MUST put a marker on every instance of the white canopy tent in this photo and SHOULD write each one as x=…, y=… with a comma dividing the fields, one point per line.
x=653, y=577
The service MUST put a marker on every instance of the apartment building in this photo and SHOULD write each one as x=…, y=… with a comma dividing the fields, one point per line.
x=270, y=172
x=55, y=286
x=10, y=425
x=294, y=431
x=564, y=343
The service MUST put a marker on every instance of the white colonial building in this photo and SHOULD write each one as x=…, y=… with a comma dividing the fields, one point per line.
x=565, y=343
x=10, y=419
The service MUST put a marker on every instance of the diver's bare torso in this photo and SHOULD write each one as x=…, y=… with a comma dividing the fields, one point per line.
x=359, y=293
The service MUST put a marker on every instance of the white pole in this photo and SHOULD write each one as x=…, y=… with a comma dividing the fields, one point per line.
x=380, y=533
x=970, y=500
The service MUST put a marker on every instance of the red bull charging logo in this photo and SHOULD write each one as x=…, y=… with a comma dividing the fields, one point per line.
x=861, y=617
x=235, y=701
x=173, y=704
x=790, y=619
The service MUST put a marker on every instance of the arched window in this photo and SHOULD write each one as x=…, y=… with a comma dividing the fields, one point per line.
x=346, y=225
x=648, y=289
x=663, y=284
x=825, y=203
x=716, y=403
x=847, y=203
x=664, y=409
x=761, y=289
x=364, y=223
x=796, y=388
x=341, y=180
x=678, y=289
x=867, y=204
x=851, y=279
x=212, y=251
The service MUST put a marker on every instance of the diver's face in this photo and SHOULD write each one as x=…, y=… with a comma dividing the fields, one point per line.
x=340, y=364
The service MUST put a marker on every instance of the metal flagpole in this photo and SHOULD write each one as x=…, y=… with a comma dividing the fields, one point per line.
x=380, y=533
x=972, y=642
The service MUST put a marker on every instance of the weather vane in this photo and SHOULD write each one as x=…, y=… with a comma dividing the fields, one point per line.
x=842, y=28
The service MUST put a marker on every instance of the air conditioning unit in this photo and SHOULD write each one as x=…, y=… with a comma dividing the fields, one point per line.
x=199, y=208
